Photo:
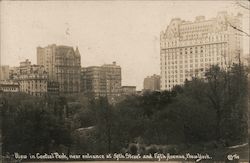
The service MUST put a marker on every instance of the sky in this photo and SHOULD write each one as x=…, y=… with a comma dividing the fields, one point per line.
x=127, y=32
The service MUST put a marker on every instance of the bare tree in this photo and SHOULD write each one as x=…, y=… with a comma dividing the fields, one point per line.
x=243, y=5
x=234, y=27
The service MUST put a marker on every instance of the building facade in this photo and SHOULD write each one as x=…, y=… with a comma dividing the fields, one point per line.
x=93, y=81
x=152, y=83
x=33, y=84
x=32, y=79
x=63, y=65
x=188, y=49
x=102, y=80
x=113, y=78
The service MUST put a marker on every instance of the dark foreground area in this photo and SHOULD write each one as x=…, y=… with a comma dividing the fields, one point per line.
x=206, y=116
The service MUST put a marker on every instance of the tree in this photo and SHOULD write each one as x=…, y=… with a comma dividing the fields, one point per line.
x=215, y=94
x=30, y=126
x=235, y=105
x=245, y=6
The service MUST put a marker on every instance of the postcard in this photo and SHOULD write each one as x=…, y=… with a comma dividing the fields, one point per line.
x=127, y=81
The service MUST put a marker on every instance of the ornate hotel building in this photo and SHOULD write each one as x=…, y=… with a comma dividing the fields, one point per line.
x=188, y=49
x=63, y=65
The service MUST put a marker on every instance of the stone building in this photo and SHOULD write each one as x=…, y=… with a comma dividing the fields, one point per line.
x=152, y=83
x=113, y=78
x=63, y=65
x=33, y=84
x=188, y=49
x=128, y=90
x=32, y=79
x=93, y=81
x=102, y=80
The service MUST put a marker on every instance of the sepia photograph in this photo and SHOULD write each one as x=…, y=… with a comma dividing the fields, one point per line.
x=124, y=81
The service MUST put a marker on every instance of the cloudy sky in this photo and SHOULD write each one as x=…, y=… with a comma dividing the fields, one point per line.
x=105, y=31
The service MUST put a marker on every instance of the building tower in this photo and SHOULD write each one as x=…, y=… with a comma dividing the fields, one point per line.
x=63, y=65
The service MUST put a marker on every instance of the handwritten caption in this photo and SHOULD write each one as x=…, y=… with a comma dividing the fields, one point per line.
x=116, y=156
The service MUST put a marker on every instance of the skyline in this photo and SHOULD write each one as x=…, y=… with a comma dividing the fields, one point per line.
x=126, y=32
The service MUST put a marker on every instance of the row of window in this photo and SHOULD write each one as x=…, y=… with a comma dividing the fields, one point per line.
x=180, y=56
x=216, y=46
x=195, y=27
x=216, y=38
x=9, y=89
x=191, y=63
x=180, y=62
x=174, y=68
x=36, y=93
x=175, y=59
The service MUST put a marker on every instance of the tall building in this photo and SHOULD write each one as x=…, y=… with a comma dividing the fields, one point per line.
x=113, y=78
x=4, y=72
x=93, y=81
x=63, y=65
x=188, y=49
x=101, y=80
x=152, y=83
